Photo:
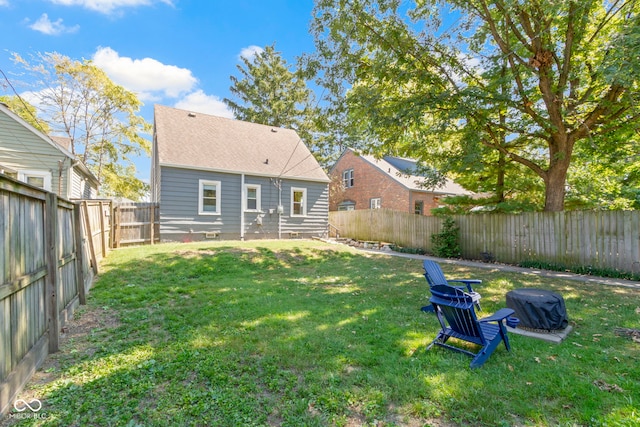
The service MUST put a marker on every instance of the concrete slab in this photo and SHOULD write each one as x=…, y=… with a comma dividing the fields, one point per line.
x=555, y=337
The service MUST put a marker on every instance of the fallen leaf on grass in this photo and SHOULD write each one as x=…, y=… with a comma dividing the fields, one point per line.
x=607, y=387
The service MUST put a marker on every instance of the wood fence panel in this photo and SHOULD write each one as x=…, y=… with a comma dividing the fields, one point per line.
x=603, y=239
x=135, y=224
x=39, y=279
x=22, y=278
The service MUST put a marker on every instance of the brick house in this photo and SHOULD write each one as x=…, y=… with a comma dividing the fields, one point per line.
x=364, y=182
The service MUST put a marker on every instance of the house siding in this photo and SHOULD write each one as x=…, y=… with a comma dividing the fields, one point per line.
x=316, y=220
x=21, y=149
x=180, y=221
x=369, y=183
x=26, y=150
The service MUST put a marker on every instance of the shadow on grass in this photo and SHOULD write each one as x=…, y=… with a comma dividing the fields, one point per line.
x=307, y=334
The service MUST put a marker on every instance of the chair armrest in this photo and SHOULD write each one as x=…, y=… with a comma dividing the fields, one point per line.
x=467, y=282
x=498, y=316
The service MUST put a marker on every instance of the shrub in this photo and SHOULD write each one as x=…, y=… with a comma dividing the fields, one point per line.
x=446, y=243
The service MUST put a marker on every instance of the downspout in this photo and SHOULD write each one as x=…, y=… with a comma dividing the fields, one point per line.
x=242, y=199
x=60, y=166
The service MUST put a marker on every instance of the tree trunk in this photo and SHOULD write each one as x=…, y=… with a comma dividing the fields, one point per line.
x=555, y=182
x=500, y=179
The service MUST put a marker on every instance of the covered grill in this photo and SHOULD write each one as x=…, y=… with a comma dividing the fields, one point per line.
x=538, y=309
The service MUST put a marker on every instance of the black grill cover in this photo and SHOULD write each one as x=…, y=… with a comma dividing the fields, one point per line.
x=538, y=308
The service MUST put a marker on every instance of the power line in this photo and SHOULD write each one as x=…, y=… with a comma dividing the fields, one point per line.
x=36, y=121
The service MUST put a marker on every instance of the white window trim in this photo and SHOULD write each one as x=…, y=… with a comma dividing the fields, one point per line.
x=375, y=203
x=201, y=185
x=245, y=198
x=24, y=174
x=304, y=201
x=347, y=178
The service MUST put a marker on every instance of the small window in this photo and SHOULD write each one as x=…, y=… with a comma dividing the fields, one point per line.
x=418, y=207
x=36, y=181
x=298, y=201
x=375, y=203
x=252, y=197
x=347, y=178
x=347, y=206
x=209, y=203
x=36, y=178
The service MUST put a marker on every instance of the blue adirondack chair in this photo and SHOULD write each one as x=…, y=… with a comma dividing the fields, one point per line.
x=455, y=310
x=434, y=275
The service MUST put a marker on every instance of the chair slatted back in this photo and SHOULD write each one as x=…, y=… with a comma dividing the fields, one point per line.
x=433, y=273
x=456, y=308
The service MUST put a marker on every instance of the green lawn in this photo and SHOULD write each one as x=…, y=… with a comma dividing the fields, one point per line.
x=303, y=333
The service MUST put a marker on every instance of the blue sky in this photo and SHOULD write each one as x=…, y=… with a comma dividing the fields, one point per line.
x=178, y=53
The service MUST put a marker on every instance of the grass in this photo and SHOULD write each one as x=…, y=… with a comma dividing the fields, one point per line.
x=301, y=333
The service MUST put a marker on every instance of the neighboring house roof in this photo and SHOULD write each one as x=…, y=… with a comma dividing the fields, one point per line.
x=201, y=141
x=62, y=141
x=397, y=168
x=65, y=142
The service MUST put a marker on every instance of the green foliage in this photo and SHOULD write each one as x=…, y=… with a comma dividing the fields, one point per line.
x=268, y=92
x=586, y=270
x=458, y=205
x=297, y=333
x=446, y=243
x=506, y=95
x=26, y=111
x=79, y=101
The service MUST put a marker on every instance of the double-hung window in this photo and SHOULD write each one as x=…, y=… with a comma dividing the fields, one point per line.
x=347, y=178
x=298, y=201
x=209, y=198
x=252, y=197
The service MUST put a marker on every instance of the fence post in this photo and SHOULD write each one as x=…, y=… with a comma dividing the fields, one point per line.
x=92, y=250
x=51, y=283
x=152, y=208
x=77, y=229
x=102, y=231
x=116, y=223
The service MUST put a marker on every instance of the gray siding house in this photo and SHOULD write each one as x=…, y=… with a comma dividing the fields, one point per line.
x=30, y=156
x=218, y=178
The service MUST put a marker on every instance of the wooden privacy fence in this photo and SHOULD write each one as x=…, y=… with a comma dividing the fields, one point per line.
x=46, y=267
x=135, y=224
x=603, y=239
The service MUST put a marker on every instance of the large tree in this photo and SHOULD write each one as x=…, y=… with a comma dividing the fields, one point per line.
x=79, y=101
x=269, y=92
x=453, y=81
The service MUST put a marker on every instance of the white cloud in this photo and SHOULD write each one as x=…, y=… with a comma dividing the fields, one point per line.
x=147, y=77
x=4, y=2
x=200, y=102
x=250, y=52
x=52, y=28
x=108, y=6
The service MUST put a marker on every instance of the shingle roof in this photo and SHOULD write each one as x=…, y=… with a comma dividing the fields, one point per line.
x=202, y=141
x=397, y=168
